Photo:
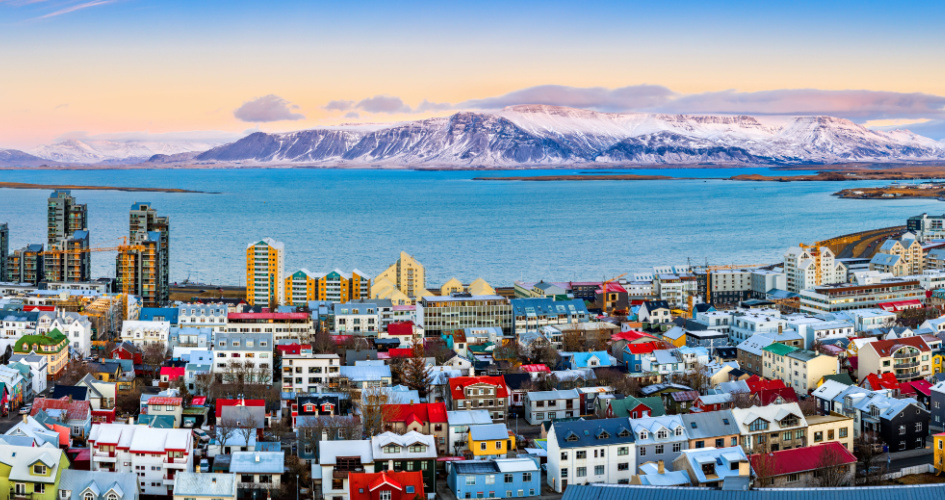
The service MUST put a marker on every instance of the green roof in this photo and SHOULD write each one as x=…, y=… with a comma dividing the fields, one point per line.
x=621, y=407
x=780, y=349
x=843, y=378
x=27, y=343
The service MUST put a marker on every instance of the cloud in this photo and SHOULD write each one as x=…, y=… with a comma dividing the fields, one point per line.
x=203, y=136
x=597, y=98
x=74, y=8
x=339, y=105
x=858, y=105
x=426, y=106
x=383, y=104
x=352, y=114
x=934, y=129
x=270, y=108
x=62, y=106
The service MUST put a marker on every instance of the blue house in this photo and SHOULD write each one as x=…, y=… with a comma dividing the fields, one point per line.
x=500, y=478
x=593, y=359
x=169, y=314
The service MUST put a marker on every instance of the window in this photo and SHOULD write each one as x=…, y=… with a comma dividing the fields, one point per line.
x=526, y=476
x=564, y=455
x=643, y=451
x=598, y=470
x=734, y=441
x=818, y=437
x=41, y=469
x=843, y=432
x=470, y=480
x=498, y=445
x=482, y=446
x=622, y=451
x=385, y=495
x=623, y=466
x=582, y=472
x=902, y=430
x=564, y=472
x=918, y=426
x=758, y=425
x=787, y=436
x=677, y=447
x=580, y=454
x=508, y=478
x=490, y=479
x=793, y=477
x=643, y=434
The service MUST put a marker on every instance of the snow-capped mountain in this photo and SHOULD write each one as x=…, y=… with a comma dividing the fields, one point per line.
x=549, y=135
x=103, y=150
x=17, y=158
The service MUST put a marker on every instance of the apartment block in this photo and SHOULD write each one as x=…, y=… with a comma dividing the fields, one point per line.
x=26, y=265
x=849, y=296
x=309, y=372
x=265, y=260
x=907, y=358
x=800, y=369
x=155, y=455
x=806, y=267
x=439, y=314
x=142, y=267
x=243, y=355
x=4, y=249
x=406, y=275
x=294, y=327
x=67, y=257
x=304, y=286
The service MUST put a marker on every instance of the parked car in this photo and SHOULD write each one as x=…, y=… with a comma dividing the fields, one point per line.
x=201, y=436
x=204, y=465
x=25, y=410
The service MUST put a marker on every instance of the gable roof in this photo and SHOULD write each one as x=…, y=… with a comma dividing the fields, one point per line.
x=600, y=432
x=75, y=410
x=458, y=384
x=420, y=413
x=803, y=459
x=371, y=481
x=710, y=424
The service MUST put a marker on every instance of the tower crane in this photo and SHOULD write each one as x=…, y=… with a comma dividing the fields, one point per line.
x=606, y=298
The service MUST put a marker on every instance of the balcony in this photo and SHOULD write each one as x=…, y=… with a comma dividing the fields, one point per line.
x=905, y=353
x=20, y=495
x=168, y=480
x=104, y=456
x=903, y=366
x=179, y=462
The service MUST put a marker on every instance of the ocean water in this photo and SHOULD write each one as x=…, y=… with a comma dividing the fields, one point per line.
x=500, y=231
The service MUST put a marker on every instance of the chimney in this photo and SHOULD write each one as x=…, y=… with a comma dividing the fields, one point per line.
x=390, y=466
x=257, y=458
x=213, y=480
x=26, y=418
x=780, y=328
x=660, y=467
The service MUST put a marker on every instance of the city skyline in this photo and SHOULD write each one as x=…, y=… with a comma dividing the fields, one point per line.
x=175, y=70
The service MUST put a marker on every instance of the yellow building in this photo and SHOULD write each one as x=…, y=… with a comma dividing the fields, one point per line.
x=303, y=286
x=54, y=346
x=478, y=287
x=407, y=275
x=490, y=441
x=827, y=428
x=938, y=457
x=264, y=264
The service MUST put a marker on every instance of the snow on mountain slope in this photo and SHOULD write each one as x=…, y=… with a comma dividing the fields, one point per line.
x=551, y=135
x=17, y=158
x=101, y=150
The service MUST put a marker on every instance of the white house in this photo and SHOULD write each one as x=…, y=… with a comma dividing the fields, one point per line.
x=144, y=333
x=306, y=372
x=156, y=455
x=39, y=365
x=749, y=323
x=337, y=459
x=590, y=451
x=253, y=348
x=75, y=326
x=202, y=315
x=546, y=406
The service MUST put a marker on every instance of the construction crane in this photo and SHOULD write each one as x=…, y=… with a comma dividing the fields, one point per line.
x=708, y=279
x=606, y=297
x=120, y=248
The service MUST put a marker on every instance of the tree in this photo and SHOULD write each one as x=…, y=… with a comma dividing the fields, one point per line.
x=808, y=406
x=742, y=400
x=572, y=341
x=867, y=450
x=129, y=402
x=697, y=378
x=323, y=343
x=73, y=372
x=225, y=429
x=436, y=348
x=831, y=471
x=416, y=374
x=246, y=427
x=546, y=355
x=912, y=318
x=153, y=356
x=374, y=410
x=621, y=382
x=763, y=465
x=181, y=385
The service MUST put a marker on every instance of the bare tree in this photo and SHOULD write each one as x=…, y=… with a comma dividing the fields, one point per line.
x=573, y=341
x=416, y=374
x=867, y=450
x=153, y=356
x=247, y=426
x=831, y=471
x=323, y=343
x=697, y=377
x=225, y=429
x=762, y=463
x=808, y=406
x=129, y=402
x=546, y=355
x=374, y=410
x=621, y=382
x=73, y=372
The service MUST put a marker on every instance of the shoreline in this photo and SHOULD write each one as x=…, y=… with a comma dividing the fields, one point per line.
x=27, y=185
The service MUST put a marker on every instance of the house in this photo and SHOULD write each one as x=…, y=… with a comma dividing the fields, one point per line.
x=95, y=485
x=805, y=467
x=902, y=424
x=412, y=451
x=532, y=313
x=425, y=418
x=656, y=474
x=631, y=407
x=518, y=384
x=592, y=360
x=170, y=406
x=243, y=355
x=517, y=478
x=52, y=345
x=479, y=393
x=937, y=404
x=386, y=485
x=145, y=333
x=659, y=438
x=157, y=455
x=800, y=369
x=716, y=429
x=830, y=428
x=341, y=462
x=771, y=428
x=101, y=396
x=365, y=374
x=682, y=401
x=907, y=358
x=459, y=423
x=38, y=433
x=664, y=391
x=39, y=367
x=258, y=470
x=204, y=486
x=541, y=406
x=655, y=312
x=31, y=473
x=713, y=402
x=633, y=354
x=724, y=468
x=309, y=372
x=75, y=326
x=490, y=441
x=76, y=415
x=616, y=298
x=590, y=451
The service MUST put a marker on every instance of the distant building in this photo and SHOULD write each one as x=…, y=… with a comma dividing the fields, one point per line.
x=304, y=286
x=67, y=258
x=406, y=275
x=143, y=267
x=4, y=249
x=849, y=296
x=264, y=267
x=807, y=267
x=439, y=314
x=26, y=265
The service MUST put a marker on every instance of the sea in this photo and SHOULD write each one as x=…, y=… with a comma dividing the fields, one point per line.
x=501, y=231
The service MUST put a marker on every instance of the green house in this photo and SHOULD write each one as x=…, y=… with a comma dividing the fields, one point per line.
x=31, y=473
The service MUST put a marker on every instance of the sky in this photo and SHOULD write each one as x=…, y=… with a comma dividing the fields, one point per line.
x=168, y=68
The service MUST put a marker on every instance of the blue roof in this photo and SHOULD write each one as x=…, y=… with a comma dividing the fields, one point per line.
x=170, y=314
x=259, y=462
x=488, y=432
x=581, y=359
x=363, y=373
x=545, y=307
x=631, y=492
x=600, y=432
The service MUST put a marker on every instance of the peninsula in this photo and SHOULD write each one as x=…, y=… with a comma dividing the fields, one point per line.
x=26, y=185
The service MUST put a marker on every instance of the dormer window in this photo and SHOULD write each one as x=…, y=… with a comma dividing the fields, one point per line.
x=603, y=435
x=643, y=435
x=662, y=434
x=571, y=438
x=392, y=448
x=623, y=433
x=39, y=469
x=679, y=431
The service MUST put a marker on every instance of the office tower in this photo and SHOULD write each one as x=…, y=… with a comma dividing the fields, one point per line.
x=264, y=263
x=4, y=249
x=26, y=265
x=142, y=266
x=67, y=258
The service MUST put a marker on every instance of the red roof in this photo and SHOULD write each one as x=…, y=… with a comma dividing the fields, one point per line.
x=164, y=400
x=832, y=350
x=172, y=373
x=631, y=335
x=803, y=459
x=884, y=381
x=768, y=396
x=75, y=410
x=400, y=352
x=900, y=305
x=198, y=401
x=535, y=368
x=612, y=288
x=644, y=348
x=921, y=386
x=423, y=413
x=369, y=482
x=757, y=384
x=400, y=328
x=293, y=348
x=457, y=384
x=266, y=316
x=31, y=308
x=885, y=348
x=221, y=403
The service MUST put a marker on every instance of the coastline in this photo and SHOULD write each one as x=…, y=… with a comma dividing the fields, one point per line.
x=26, y=185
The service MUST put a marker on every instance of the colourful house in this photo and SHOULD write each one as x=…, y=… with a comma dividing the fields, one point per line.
x=53, y=346
x=387, y=485
x=503, y=478
x=490, y=441
x=938, y=450
x=31, y=472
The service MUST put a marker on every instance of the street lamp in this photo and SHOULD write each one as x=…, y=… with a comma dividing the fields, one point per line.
x=296, y=487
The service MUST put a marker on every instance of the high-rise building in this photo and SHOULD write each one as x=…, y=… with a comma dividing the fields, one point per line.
x=4, y=249
x=67, y=258
x=806, y=267
x=26, y=265
x=142, y=268
x=407, y=275
x=303, y=286
x=264, y=264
